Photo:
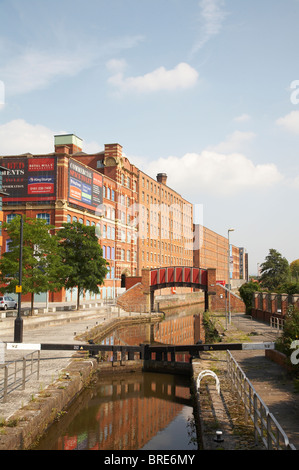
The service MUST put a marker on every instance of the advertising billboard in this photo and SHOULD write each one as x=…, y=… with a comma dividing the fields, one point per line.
x=29, y=179
x=85, y=186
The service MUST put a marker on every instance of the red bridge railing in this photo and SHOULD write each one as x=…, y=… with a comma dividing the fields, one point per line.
x=178, y=275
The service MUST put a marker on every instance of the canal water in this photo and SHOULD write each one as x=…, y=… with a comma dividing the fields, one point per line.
x=136, y=410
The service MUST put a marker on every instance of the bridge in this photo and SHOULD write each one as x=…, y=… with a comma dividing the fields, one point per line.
x=141, y=290
x=182, y=276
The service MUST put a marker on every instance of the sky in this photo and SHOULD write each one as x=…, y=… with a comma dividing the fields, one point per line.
x=206, y=91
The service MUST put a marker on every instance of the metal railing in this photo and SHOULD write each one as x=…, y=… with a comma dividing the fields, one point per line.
x=15, y=374
x=266, y=426
x=277, y=323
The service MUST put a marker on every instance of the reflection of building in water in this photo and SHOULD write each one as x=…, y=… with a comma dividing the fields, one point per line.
x=175, y=330
x=180, y=330
x=127, y=419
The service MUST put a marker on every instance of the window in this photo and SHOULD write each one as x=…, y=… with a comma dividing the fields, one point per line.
x=44, y=216
x=128, y=255
x=69, y=219
x=10, y=217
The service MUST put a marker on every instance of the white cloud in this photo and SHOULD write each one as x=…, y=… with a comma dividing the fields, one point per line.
x=18, y=137
x=212, y=17
x=35, y=69
x=220, y=170
x=29, y=69
x=234, y=142
x=215, y=173
x=290, y=122
x=242, y=118
x=180, y=77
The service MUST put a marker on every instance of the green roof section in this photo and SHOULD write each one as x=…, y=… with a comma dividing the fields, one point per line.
x=68, y=139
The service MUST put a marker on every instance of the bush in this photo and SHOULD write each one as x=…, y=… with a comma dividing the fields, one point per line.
x=290, y=333
x=246, y=291
x=211, y=333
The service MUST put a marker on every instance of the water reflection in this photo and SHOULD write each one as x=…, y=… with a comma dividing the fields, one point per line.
x=128, y=412
x=134, y=411
x=177, y=328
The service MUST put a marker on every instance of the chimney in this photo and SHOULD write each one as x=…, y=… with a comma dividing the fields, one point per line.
x=162, y=178
x=68, y=143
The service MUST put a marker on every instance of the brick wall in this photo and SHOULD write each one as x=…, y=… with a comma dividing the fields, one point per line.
x=219, y=301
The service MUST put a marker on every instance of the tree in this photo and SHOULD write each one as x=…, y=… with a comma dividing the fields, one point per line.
x=274, y=271
x=246, y=291
x=42, y=269
x=294, y=268
x=81, y=252
x=290, y=332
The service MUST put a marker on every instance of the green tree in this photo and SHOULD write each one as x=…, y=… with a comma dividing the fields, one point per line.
x=81, y=252
x=246, y=291
x=274, y=271
x=290, y=332
x=294, y=268
x=42, y=269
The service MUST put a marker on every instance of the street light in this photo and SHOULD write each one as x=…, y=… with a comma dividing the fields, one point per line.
x=228, y=273
x=18, y=331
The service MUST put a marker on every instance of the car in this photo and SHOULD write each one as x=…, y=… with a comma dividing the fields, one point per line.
x=7, y=302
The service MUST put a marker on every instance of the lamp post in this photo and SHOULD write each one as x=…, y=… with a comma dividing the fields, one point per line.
x=18, y=331
x=228, y=273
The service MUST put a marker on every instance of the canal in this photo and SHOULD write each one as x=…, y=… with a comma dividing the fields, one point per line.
x=136, y=410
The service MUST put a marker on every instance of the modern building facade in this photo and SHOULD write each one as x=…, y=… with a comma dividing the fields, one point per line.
x=212, y=250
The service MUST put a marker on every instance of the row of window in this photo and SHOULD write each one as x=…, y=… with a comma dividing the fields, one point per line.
x=155, y=258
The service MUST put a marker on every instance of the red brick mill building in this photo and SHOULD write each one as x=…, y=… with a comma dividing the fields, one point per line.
x=141, y=221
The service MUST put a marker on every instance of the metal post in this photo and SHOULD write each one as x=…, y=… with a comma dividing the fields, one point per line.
x=228, y=272
x=24, y=373
x=18, y=332
x=5, y=383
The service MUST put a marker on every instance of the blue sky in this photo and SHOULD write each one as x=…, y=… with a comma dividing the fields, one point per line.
x=204, y=90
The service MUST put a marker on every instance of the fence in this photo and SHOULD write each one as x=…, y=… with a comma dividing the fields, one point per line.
x=15, y=374
x=265, y=425
x=277, y=323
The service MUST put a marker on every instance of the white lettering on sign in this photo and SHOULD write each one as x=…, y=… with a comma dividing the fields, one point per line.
x=23, y=346
x=258, y=346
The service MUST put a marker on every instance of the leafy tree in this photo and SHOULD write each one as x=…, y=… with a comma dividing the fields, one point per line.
x=294, y=268
x=290, y=288
x=246, y=291
x=42, y=269
x=290, y=332
x=274, y=271
x=81, y=252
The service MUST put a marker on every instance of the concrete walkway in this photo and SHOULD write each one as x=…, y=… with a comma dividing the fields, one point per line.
x=271, y=381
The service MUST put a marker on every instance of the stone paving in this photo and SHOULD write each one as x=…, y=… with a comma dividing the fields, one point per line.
x=271, y=382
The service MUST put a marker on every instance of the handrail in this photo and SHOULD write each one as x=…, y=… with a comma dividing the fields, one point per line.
x=265, y=424
x=15, y=377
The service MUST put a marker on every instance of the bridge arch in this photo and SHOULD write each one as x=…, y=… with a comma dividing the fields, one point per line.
x=181, y=276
